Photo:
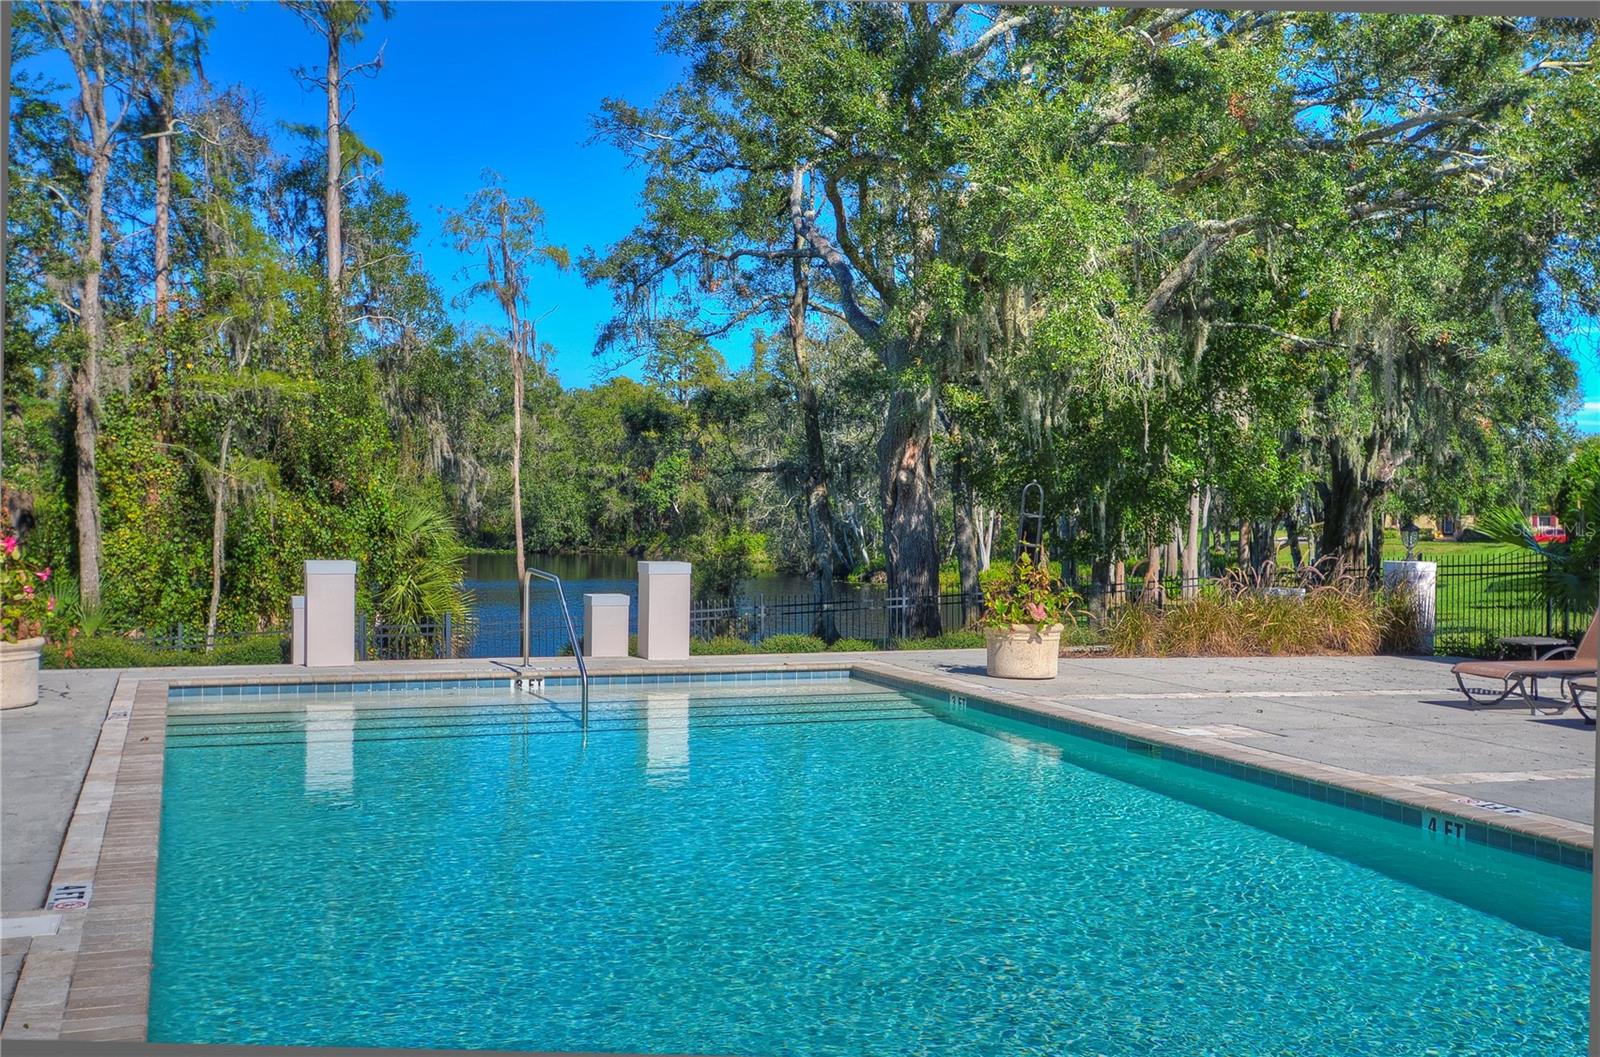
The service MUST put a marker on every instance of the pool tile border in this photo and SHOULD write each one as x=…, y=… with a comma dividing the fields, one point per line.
x=217, y=689
x=91, y=980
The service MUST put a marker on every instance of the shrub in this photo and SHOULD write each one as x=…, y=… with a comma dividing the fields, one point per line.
x=1340, y=618
x=792, y=644
x=722, y=645
x=962, y=639
x=853, y=646
x=111, y=651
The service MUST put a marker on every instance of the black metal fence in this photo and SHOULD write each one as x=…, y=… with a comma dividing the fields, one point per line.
x=875, y=617
x=1480, y=601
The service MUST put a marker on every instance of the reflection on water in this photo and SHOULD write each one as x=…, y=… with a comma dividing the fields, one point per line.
x=330, y=747
x=666, y=738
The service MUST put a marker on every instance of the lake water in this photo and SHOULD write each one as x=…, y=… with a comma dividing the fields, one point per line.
x=492, y=581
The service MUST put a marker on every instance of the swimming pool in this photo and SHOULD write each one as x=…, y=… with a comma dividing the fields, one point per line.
x=818, y=866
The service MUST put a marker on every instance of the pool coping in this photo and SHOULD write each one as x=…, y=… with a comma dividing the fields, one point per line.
x=91, y=980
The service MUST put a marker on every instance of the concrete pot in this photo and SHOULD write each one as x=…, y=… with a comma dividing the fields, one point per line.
x=1023, y=651
x=19, y=673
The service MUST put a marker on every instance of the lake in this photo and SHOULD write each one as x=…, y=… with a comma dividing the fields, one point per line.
x=492, y=581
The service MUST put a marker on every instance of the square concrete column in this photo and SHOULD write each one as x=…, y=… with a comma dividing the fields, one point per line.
x=1421, y=579
x=330, y=613
x=297, y=630
x=664, y=611
x=605, y=625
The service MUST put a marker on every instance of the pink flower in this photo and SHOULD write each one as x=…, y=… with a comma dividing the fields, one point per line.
x=43, y=574
x=50, y=606
x=27, y=589
x=10, y=545
x=1035, y=610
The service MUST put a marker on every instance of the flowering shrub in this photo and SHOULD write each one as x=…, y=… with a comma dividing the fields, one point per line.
x=1028, y=594
x=25, y=602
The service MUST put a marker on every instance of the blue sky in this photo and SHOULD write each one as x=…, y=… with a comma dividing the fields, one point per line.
x=513, y=86
x=465, y=86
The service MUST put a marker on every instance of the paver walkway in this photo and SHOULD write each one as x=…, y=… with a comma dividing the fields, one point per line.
x=44, y=751
x=1387, y=716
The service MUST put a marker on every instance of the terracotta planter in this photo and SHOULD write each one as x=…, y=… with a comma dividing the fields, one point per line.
x=19, y=673
x=1023, y=651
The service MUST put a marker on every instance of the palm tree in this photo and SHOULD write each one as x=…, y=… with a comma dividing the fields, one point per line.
x=1570, y=577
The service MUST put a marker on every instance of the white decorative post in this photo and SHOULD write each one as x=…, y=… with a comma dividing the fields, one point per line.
x=664, y=611
x=1422, y=579
x=605, y=625
x=330, y=620
x=297, y=633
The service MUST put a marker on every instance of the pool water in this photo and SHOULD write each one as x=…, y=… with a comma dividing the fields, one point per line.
x=821, y=868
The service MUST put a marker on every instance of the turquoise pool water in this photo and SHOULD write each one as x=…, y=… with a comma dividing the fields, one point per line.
x=827, y=868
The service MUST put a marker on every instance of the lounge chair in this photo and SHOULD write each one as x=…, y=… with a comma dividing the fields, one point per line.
x=1522, y=677
x=1576, y=688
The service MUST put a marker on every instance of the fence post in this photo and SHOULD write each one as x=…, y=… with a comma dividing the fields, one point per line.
x=361, y=636
x=449, y=645
x=180, y=636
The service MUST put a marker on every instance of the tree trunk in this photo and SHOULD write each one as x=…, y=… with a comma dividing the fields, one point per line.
x=1205, y=532
x=1291, y=526
x=1347, y=506
x=1152, y=593
x=969, y=545
x=1191, y=549
x=1263, y=544
x=333, y=203
x=517, y=359
x=819, y=508
x=911, y=553
x=86, y=382
x=161, y=233
x=1243, y=547
x=219, y=530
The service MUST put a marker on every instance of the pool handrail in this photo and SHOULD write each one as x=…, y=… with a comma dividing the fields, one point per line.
x=572, y=634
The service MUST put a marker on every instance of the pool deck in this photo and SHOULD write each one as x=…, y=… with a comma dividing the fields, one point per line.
x=80, y=778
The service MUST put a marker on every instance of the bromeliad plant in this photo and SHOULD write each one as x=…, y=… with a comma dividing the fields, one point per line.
x=1028, y=595
x=27, y=604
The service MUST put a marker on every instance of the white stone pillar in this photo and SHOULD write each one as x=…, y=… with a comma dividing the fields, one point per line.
x=664, y=611
x=330, y=613
x=297, y=633
x=605, y=625
x=1422, y=578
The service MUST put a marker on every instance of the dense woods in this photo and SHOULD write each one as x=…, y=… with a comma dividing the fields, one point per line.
x=1197, y=273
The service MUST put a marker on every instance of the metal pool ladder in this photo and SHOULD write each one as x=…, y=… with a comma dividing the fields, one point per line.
x=572, y=636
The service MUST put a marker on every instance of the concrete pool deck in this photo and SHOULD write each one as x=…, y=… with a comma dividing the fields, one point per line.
x=1387, y=726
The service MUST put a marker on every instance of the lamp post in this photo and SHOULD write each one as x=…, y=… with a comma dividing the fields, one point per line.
x=1408, y=536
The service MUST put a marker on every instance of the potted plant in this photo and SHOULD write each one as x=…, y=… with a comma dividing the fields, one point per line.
x=1025, y=610
x=24, y=608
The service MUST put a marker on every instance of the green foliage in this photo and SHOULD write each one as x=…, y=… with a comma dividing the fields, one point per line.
x=117, y=652
x=719, y=646
x=27, y=602
x=1027, y=595
x=965, y=639
x=852, y=646
x=1570, y=575
x=792, y=644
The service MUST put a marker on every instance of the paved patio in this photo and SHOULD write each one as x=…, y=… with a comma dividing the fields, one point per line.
x=1394, y=719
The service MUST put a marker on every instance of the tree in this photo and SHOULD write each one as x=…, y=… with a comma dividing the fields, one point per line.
x=102, y=42
x=337, y=22
x=509, y=234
